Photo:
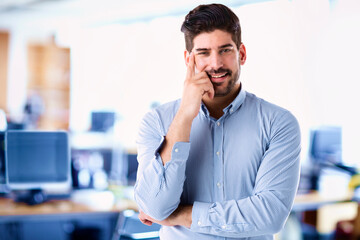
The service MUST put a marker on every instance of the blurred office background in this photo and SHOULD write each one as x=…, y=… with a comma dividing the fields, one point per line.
x=94, y=68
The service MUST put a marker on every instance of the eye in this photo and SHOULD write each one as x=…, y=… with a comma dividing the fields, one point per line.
x=203, y=53
x=225, y=50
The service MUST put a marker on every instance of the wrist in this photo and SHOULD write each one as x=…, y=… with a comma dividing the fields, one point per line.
x=182, y=216
x=183, y=117
x=187, y=216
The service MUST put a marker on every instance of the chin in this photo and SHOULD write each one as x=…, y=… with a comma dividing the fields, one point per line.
x=224, y=91
x=221, y=93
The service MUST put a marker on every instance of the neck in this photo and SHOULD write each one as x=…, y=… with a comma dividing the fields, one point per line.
x=217, y=104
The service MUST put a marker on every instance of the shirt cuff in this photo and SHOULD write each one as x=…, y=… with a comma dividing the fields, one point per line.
x=180, y=152
x=200, y=212
x=179, y=156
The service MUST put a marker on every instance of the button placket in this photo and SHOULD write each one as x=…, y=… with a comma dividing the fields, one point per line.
x=218, y=161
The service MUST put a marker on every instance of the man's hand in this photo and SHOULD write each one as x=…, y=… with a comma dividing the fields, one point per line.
x=181, y=216
x=196, y=85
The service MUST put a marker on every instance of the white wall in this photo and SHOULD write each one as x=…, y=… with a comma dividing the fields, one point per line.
x=125, y=68
x=302, y=55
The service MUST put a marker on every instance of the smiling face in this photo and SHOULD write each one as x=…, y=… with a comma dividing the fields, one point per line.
x=217, y=55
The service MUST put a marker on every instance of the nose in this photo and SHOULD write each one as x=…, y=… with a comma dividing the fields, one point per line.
x=216, y=61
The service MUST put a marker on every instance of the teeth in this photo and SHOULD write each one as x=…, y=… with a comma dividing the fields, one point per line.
x=220, y=76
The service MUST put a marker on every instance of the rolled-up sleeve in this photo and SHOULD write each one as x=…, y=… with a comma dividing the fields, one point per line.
x=158, y=188
x=266, y=210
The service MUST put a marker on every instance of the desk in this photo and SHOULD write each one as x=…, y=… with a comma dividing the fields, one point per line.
x=324, y=212
x=60, y=219
x=9, y=208
x=314, y=200
x=64, y=217
x=82, y=201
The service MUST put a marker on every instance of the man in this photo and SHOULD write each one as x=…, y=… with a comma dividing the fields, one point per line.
x=219, y=162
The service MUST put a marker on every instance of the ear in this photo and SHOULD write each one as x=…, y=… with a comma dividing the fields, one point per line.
x=242, y=54
x=186, y=57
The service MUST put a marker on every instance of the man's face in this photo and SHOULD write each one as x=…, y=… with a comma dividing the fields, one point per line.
x=217, y=55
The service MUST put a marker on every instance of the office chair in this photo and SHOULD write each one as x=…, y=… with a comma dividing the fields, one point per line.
x=129, y=227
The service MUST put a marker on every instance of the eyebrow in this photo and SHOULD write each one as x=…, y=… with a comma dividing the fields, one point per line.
x=202, y=49
x=226, y=46
x=207, y=49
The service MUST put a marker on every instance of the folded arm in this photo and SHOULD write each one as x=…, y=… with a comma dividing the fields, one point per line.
x=159, y=182
x=162, y=160
x=266, y=210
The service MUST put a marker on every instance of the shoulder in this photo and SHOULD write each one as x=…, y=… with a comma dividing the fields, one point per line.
x=168, y=107
x=265, y=107
x=259, y=103
x=166, y=111
x=161, y=116
x=271, y=113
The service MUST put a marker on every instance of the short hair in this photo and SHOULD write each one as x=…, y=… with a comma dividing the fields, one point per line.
x=207, y=18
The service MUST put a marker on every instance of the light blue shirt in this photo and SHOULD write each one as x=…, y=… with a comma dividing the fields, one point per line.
x=240, y=171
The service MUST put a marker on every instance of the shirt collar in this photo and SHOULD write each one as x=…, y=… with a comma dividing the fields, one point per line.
x=232, y=107
x=237, y=102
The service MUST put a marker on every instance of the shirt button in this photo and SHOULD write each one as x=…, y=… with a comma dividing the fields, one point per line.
x=218, y=123
x=218, y=184
x=218, y=153
x=231, y=110
x=223, y=226
x=176, y=150
x=199, y=223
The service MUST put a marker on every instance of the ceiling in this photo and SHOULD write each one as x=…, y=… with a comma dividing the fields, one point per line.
x=95, y=12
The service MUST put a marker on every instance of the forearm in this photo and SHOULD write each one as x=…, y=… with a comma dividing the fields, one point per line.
x=158, y=188
x=180, y=217
x=262, y=214
x=179, y=131
x=196, y=85
x=161, y=177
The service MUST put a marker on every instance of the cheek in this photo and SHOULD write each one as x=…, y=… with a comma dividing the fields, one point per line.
x=200, y=63
x=233, y=62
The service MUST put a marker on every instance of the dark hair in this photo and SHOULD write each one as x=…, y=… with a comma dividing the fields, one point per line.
x=207, y=18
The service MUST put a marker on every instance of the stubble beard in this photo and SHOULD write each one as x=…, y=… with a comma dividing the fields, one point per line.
x=230, y=85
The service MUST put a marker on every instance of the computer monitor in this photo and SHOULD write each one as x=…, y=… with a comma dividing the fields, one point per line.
x=326, y=145
x=37, y=160
x=102, y=121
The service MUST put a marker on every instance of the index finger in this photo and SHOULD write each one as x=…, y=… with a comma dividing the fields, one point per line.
x=191, y=65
